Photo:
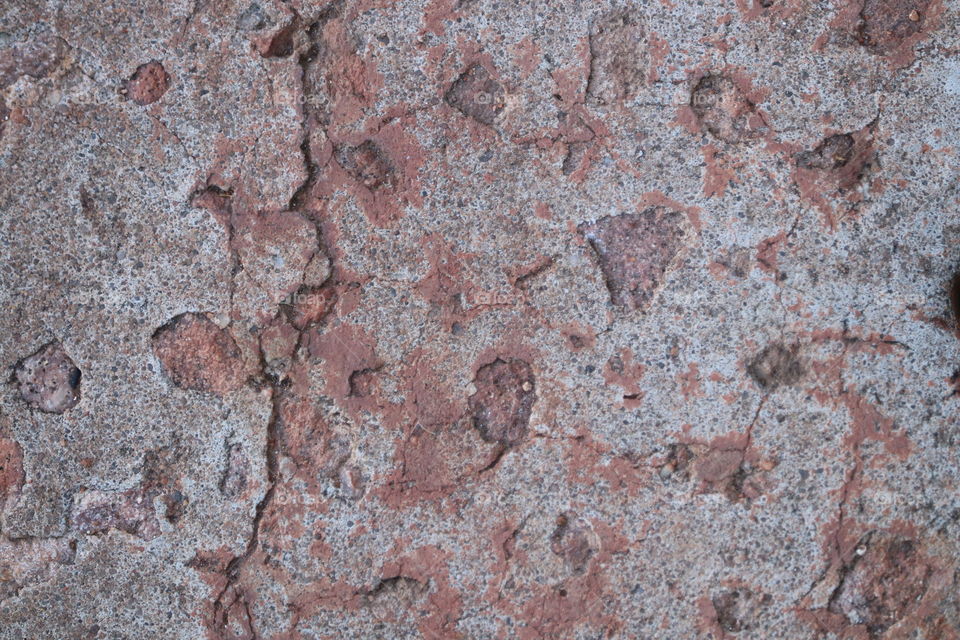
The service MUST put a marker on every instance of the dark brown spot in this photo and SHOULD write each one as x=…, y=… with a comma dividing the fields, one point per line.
x=678, y=461
x=776, y=366
x=722, y=109
x=838, y=162
x=362, y=382
x=833, y=153
x=4, y=115
x=49, y=380
x=503, y=401
x=175, y=506
x=368, y=165
x=738, y=609
x=634, y=251
x=476, y=94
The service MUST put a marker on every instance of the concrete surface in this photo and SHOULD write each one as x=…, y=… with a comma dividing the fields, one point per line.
x=479, y=319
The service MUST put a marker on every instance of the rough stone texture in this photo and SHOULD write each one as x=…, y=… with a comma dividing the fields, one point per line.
x=619, y=57
x=49, y=380
x=475, y=319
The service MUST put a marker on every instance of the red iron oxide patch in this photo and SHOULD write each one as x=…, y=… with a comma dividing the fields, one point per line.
x=148, y=83
x=11, y=467
x=199, y=355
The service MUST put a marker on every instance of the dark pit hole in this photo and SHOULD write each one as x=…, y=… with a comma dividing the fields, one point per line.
x=176, y=504
x=281, y=46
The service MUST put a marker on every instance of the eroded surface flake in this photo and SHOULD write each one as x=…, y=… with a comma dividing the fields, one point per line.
x=619, y=57
x=885, y=24
x=885, y=581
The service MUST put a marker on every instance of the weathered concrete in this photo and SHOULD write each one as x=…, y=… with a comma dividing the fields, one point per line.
x=479, y=319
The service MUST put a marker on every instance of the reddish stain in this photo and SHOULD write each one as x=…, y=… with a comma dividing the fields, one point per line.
x=148, y=83
x=199, y=355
